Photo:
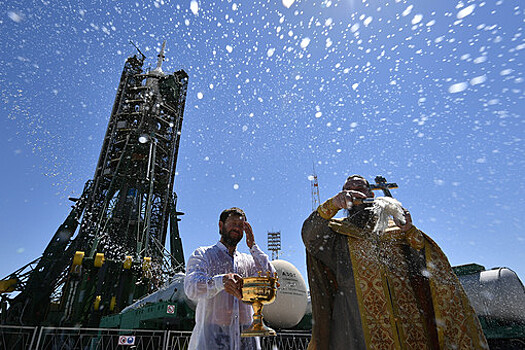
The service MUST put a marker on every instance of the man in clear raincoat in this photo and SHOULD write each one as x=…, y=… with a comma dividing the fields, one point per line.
x=214, y=281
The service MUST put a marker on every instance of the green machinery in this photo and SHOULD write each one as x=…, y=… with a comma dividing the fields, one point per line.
x=160, y=315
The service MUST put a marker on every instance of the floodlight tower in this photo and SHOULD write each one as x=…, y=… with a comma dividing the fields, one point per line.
x=119, y=252
x=274, y=244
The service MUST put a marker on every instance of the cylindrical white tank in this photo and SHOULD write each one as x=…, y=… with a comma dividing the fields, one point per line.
x=290, y=302
x=496, y=293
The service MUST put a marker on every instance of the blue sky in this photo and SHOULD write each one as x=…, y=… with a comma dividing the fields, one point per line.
x=428, y=94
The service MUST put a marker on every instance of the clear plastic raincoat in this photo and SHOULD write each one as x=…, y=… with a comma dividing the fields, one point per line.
x=220, y=317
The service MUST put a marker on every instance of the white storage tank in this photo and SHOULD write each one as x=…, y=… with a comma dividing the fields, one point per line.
x=496, y=293
x=291, y=300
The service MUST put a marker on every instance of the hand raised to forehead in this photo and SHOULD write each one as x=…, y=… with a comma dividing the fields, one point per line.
x=250, y=239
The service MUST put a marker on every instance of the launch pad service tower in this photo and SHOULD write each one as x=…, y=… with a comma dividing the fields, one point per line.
x=124, y=212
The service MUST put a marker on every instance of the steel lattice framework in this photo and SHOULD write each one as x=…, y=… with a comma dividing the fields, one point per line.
x=132, y=195
x=124, y=212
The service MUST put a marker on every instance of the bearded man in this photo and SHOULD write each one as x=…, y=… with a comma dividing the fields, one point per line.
x=214, y=281
x=379, y=286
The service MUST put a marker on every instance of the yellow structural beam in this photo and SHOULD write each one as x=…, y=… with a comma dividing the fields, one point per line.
x=8, y=286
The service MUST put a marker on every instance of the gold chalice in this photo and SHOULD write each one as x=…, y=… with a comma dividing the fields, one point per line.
x=259, y=291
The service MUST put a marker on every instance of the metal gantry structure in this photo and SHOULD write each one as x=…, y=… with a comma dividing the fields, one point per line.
x=123, y=216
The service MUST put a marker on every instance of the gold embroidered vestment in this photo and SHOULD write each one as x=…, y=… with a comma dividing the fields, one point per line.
x=395, y=311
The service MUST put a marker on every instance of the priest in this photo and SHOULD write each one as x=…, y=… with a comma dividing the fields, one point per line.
x=380, y=283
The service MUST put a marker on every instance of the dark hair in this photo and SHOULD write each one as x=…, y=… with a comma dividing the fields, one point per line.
x=226, y=213
x=356, y=176
x=359, y=176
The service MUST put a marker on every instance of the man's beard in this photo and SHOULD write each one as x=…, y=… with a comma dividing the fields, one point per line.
x=228, y=239
x=359, y=215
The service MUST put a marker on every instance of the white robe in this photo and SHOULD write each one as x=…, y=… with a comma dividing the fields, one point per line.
x=220, y=317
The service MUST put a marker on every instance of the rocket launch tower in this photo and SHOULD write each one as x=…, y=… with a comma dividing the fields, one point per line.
x=110, y=249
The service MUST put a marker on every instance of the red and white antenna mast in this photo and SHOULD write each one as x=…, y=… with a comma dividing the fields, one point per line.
x=316, y=201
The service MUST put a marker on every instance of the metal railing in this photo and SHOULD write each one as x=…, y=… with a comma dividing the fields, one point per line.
x=17, y=337
x=50, y=338
x=62, y=338
x=286, y=340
